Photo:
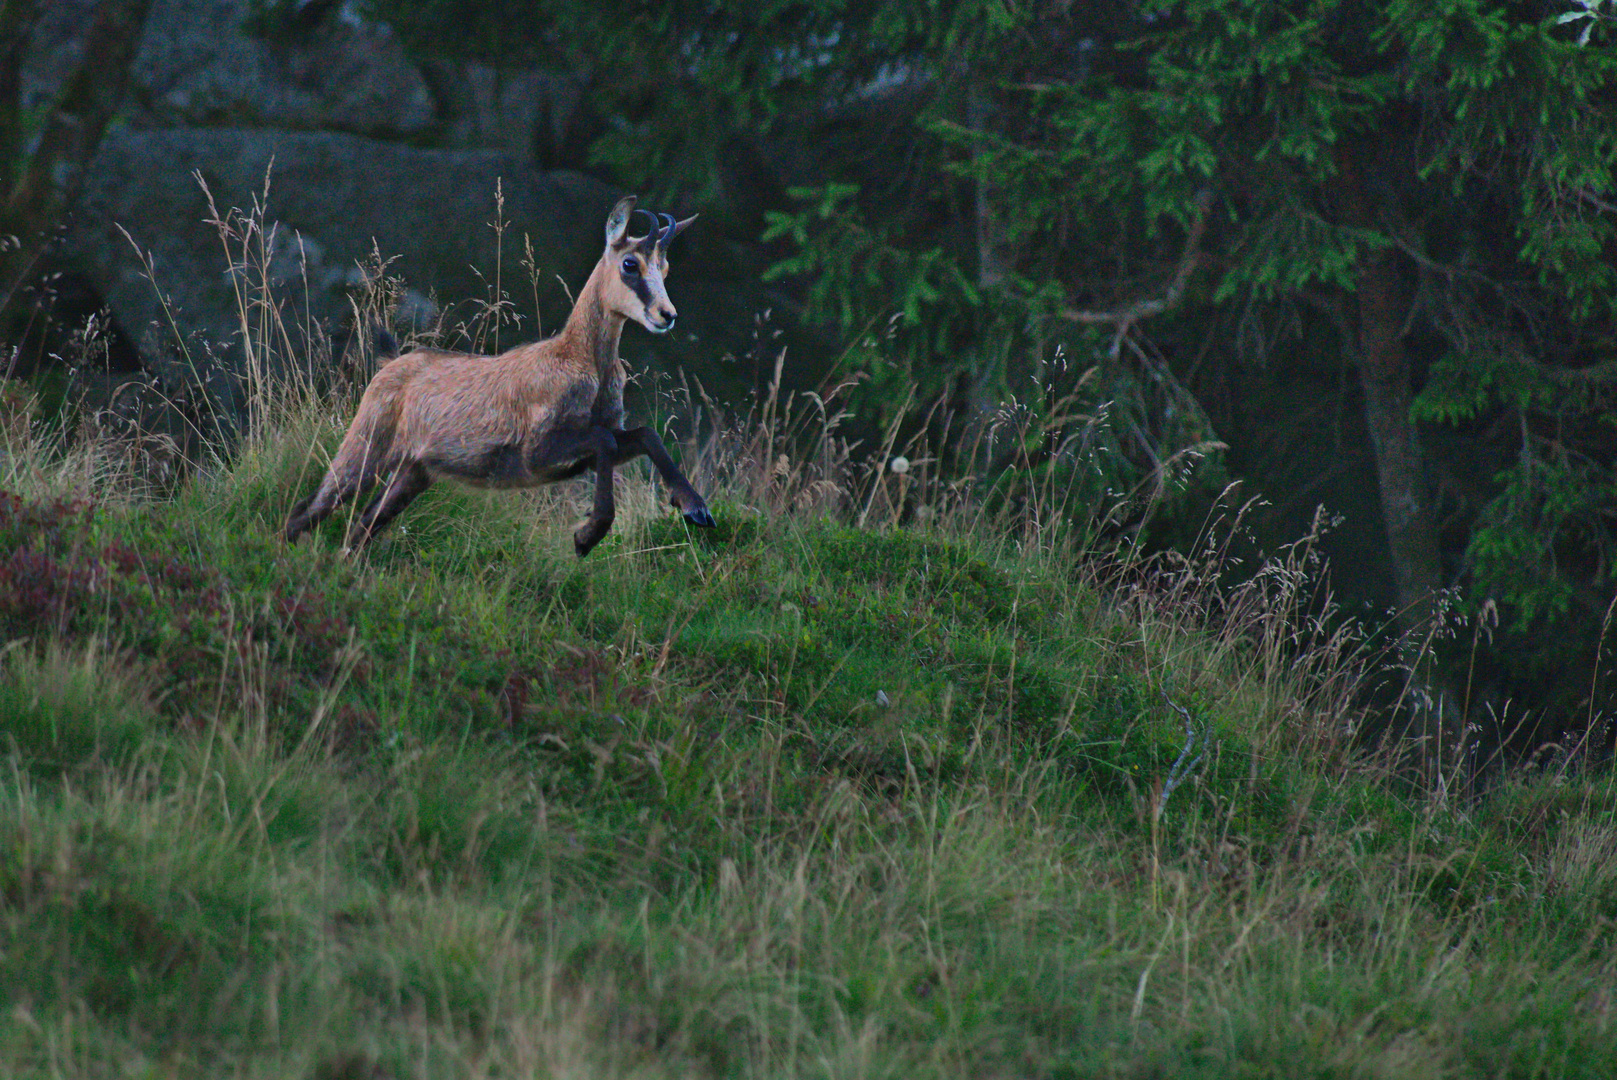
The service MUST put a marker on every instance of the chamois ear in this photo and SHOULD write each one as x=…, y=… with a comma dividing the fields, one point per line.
x=670, y=230
x=679, y=227
x=617, y=222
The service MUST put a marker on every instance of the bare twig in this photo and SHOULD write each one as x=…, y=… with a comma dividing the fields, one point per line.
x=1596, y=201
x=1180, y=769
x=1124, y=318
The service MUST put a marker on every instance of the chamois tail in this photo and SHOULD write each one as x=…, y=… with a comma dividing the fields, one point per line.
x=384, y=343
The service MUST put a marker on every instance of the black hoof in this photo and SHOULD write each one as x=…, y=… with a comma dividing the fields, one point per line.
x=700, y=517
x=584, y=541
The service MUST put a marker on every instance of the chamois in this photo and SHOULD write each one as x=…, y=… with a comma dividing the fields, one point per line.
x=539, y=413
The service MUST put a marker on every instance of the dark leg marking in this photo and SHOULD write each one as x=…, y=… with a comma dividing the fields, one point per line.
x=408, y=482
x=331, y=494
x=299, y=520
x=587, y=535
x=643, y=440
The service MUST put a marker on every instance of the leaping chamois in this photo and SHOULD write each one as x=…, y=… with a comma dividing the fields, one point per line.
x=537, y=414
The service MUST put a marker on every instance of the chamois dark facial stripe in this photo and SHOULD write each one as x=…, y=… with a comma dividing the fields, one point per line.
x=637, y=285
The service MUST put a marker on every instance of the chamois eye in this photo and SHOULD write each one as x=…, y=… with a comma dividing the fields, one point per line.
x=630, y=266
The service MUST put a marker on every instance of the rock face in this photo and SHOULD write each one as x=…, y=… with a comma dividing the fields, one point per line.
x=363, y=148
x=199, y=67
x=331, y=200
x=201, y=64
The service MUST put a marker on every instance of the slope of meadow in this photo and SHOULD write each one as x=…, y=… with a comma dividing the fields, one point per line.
x=836, y=789
x=791, y=798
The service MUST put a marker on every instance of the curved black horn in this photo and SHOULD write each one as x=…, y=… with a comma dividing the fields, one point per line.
x=651, y=234
x=668, y=230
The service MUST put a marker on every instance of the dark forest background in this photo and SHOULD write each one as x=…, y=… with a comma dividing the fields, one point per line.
x=1350, y=254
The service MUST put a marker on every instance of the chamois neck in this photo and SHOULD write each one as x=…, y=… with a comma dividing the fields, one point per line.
x=592, y=330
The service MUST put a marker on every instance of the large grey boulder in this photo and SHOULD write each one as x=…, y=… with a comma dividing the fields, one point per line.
x=364, y=148
x=332, y=199
x=201, y=63
x=343, y=112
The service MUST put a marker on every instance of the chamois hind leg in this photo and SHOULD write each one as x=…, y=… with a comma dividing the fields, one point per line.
x=681, y=494
x=363, y=456
x=587, y=535
x=340, y=485
x=408, y=481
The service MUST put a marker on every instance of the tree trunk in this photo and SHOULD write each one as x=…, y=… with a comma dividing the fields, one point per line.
x=16, y=27
x=1385, y=377
x=1382, y=308
x=42, y=179
x=990, y=232
x=1406, y=502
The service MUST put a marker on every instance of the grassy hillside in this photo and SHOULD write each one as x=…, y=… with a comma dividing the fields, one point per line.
x=791, y=798
x=836, y=789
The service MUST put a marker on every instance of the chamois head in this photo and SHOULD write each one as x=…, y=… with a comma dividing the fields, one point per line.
x=635, y=267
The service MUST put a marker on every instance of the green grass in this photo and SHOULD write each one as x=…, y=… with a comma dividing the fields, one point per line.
x=786, y=799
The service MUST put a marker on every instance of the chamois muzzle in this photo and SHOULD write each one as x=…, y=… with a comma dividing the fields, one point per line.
x=661, y=320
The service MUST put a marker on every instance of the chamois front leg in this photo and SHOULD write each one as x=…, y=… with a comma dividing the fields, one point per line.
x=587, y=535
x=643, y=440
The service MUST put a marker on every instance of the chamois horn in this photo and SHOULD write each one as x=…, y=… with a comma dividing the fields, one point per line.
x=648, y=241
